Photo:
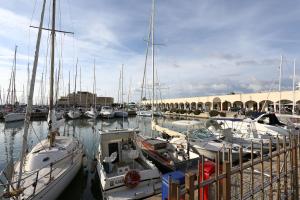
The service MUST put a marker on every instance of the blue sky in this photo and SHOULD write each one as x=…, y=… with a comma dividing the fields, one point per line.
x=209, y=47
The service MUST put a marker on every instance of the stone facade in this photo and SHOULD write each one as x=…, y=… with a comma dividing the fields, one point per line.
x=84, y=99
x=262, y=101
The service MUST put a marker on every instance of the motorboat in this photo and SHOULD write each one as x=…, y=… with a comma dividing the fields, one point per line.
x=265, y=126
x=92, y=113
x=74, y=114
x=121, y=114
x=14, y=117
x=107, y=112
x=205, y=142
x=123, y=170
x=144, y=113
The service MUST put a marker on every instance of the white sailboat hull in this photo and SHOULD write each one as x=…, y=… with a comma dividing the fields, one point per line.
x=74, y=114
x=144, y=113
x=55, y=188
x=67, y=158
x=107, y=114
x=13, y=117
x=91, y=114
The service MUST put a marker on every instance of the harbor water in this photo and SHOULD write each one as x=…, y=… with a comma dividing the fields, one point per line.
x=86, y=184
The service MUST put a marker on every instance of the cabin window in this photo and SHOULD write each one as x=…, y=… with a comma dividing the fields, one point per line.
x=46, y=159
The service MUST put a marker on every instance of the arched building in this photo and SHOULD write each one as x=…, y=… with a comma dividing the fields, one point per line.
x=261, y=101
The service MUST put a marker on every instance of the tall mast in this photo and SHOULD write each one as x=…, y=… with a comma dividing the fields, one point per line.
x=28, y=81
x=280, y=73
x=41, y=88
x=153, y=67
x=129, y=91
x=122, y=95
x=119, y=89
x=14, y=77
x=146, y=59
x=30, y=96
x=52, y=65
x=80, y=85
x=122, y=100
x=69, y=90
x=294, y=75
x=94, y=85
x=57, y=81
x=75, y=82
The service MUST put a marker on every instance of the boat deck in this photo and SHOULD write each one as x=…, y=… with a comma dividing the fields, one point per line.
x=121, y=168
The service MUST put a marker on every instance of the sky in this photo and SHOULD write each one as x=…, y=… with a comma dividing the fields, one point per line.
x=207, y=47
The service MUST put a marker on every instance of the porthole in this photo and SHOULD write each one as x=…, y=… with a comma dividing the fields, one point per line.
x=46, y=159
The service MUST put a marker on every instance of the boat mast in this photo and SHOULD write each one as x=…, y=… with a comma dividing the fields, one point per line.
x=122, y=73
x=30, y=96
x=80, y=85
x=69, y=90
x=75, y=83
x=14, y=98
x=145, y=66
x=280, y=73
x=94, y=86
x=51, y=117
x=294, y=75
x=153, y=67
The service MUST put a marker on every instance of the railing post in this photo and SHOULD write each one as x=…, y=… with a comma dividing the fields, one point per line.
x=278, y=192
x=174, y=192
x=241, y=171
x=50, y=175
x=227, y=181
x=170, y=188
x=262, y=171
x=295, y=171
x=189, y=186
x=35, y=183
x=271, y=170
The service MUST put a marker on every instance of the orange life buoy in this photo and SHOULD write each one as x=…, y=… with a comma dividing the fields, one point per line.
x=132, y=179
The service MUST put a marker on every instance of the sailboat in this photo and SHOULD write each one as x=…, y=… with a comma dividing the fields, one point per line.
x=120, y=112
x=92, y=113
x=13, y=115
x=74, y=113
x=51, y=165
x=167, y=155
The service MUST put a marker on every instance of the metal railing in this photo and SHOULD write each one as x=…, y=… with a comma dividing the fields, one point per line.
x=273, y=175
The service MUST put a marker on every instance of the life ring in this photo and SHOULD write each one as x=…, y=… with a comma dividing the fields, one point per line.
x=132, y=179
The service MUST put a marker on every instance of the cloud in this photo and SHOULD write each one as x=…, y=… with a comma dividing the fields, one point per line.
x=210, y=47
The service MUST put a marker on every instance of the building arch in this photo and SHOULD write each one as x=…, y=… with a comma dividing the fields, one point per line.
x=200, y=106
x=208, y=106
x=251, y=105
x=226, y=105
x=181, y=106
x=193, y=106
x=217, y=105
x=238, y=104
x=187, y=106
x=266, y=105
x=176, y=106
x=168, y=106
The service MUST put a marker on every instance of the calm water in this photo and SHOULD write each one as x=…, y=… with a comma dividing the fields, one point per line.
x=86, y=183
